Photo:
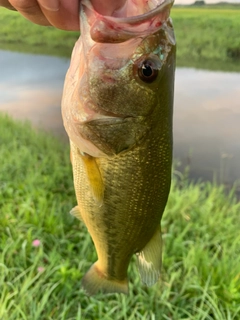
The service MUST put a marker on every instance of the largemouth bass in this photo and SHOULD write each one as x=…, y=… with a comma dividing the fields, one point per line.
x=117, y=111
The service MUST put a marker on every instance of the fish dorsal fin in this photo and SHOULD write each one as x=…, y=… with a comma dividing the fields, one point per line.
x=94, y=177
x=150, y=259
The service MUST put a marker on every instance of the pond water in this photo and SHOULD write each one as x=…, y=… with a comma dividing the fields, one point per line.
x=206, y=115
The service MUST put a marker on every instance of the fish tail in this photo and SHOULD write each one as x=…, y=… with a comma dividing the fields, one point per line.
x=94, y=281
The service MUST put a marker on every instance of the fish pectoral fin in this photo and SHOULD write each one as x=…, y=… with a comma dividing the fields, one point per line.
x=94, y=177
x=76, y=213
x=150, y=259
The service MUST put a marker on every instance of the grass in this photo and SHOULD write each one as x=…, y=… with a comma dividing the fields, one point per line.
x=207, y=36
x=201, y=263
x=18, y=34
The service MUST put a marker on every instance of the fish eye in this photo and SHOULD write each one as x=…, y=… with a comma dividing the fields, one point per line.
x=147, y=71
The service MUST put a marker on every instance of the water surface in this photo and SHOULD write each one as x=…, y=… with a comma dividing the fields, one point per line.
x=206, y=115
x=207, y=123
x=31, y=88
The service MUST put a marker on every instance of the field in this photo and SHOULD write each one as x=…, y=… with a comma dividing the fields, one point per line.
x=44, y=252
x=207, y=36
x=18, y=34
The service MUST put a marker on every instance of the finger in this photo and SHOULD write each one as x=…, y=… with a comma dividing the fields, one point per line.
x=107, y=7
x=6, y=4
x=30, y=10
x=63, y=15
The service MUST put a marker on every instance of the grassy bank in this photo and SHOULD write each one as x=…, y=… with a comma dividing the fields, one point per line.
x=207, y=36
x=18, y=34
x=201, y=278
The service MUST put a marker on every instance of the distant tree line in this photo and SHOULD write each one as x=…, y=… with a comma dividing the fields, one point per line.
x=199, y=3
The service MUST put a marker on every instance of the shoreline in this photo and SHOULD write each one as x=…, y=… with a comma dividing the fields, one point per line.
x=217, y=48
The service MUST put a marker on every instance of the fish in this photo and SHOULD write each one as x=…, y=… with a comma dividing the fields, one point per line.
x=117, y=109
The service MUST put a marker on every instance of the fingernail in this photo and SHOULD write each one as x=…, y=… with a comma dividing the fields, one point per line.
x=50, y=5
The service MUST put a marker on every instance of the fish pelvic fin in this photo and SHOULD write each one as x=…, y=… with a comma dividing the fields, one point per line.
x=150, y=260
x=94, y=177
x=76, y=213
x=95, y=281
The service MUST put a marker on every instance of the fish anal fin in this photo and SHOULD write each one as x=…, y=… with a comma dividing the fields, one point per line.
x=150, y=259
x=95, y=281
x=76, y=212
x=94, y=177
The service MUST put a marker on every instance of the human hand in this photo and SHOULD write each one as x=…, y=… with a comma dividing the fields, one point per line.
x=62, y=14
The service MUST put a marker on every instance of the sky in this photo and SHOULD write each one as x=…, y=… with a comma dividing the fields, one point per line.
x=206, y=1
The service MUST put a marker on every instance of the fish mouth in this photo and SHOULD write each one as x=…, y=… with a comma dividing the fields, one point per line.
x=111, y=29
